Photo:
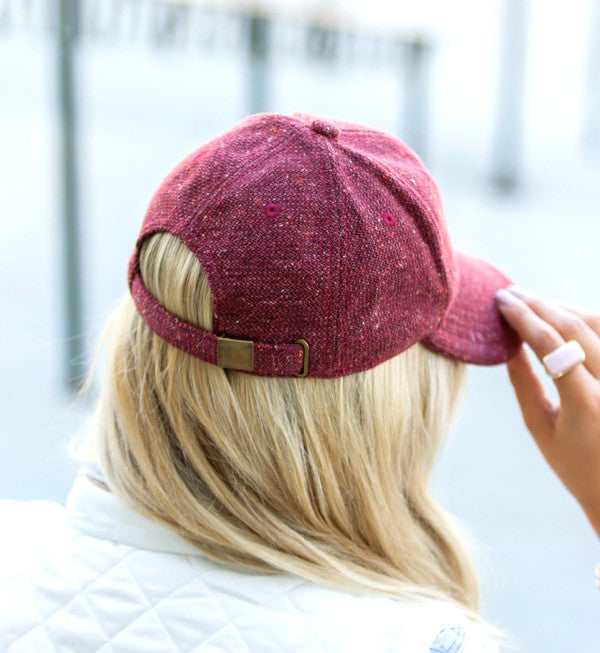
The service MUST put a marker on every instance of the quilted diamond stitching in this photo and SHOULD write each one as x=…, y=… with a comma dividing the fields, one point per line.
x=95, y=580
x=91, y=609
x=145, y=612
x=152, y=607
x=52, y=637
x=64, y=605
x=126, y=554
x=208, y=643
x=232, y=621
x=48, y=641
x=196, y=578
x=148, y=608
x=305, y=620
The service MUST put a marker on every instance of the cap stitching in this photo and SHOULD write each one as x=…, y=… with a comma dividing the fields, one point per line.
x=407, y=193
x=326, y=146
x=233, y=178
x=182, y=231
x=359, y=131
x=329, y=144
x=211, y=206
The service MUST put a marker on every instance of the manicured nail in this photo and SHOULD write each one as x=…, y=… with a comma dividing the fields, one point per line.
x=521, y=292
x=505, y=298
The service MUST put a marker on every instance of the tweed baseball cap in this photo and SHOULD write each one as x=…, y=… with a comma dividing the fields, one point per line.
x=327, y=252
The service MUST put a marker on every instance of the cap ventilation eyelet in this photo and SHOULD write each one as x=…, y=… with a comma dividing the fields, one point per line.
x=272, y=210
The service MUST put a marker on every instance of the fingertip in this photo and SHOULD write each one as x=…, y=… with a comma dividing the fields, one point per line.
x=505, y=299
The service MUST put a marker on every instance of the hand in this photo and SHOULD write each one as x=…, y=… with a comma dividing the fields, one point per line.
x=567, y=433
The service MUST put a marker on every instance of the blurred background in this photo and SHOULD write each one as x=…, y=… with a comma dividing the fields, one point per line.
x=99, y=99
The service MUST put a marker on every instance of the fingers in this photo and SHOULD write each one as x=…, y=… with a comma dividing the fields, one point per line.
x=591, y=319
x=539, y=411
x=571, y=325
x=568, y=433
x=543, y=338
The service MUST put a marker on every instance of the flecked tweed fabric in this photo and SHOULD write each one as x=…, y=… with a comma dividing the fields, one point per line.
x=325, y=230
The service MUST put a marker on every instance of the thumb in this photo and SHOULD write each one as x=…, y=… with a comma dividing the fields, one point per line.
x=538, y=409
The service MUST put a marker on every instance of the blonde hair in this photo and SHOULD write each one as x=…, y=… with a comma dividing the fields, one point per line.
x=322, y=478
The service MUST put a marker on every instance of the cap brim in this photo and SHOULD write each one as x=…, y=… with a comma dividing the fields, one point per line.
x=473, y=329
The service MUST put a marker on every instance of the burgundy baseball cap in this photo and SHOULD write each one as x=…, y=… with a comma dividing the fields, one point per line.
x=326, y=250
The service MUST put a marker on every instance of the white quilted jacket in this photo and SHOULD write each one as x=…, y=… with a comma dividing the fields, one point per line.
x=94, y=576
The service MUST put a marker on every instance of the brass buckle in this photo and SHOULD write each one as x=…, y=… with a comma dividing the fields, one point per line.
x=235, y=354
x=239, y=354
x=305, y=364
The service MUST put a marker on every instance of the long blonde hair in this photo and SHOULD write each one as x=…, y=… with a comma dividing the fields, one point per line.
x=322, y=478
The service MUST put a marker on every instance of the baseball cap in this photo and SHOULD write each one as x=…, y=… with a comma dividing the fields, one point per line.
x=326, y=250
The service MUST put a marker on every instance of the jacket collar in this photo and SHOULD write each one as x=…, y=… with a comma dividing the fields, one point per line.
x=98, y=513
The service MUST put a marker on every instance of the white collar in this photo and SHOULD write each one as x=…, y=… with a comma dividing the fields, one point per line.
x=96, y=512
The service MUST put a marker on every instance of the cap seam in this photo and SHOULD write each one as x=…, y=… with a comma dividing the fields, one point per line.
x=405, y=192
x=182, y=235
x=325, y=146
x=357, y=131
x=209, y=207
x=328, y=150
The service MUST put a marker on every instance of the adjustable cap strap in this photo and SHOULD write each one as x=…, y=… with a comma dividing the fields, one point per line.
x=267, y=359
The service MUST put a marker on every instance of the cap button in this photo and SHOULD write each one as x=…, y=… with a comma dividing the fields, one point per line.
x=325, y=128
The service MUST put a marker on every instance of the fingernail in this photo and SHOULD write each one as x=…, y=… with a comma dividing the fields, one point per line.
x=521, y=292
x=504, y=298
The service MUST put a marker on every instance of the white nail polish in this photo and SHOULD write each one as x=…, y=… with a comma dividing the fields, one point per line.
x=505, y=298
x=519, y=291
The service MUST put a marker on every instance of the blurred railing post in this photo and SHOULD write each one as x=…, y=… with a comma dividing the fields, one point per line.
x=258, y=52
x=67, y=33
x=508, y=144
x=591, y=108
x=416, y=103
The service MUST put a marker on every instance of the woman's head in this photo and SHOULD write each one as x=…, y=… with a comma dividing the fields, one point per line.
x=323, y=478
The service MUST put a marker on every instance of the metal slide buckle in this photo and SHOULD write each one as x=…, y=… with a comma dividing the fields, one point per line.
x=239, y=354
x=236, y=354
